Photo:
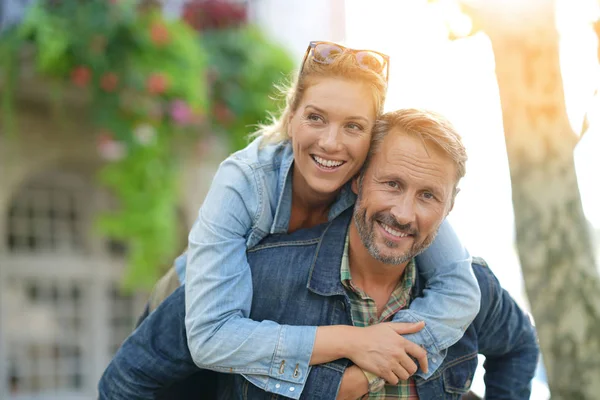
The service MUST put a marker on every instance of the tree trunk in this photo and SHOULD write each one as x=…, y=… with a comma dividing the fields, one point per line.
x=553, y=237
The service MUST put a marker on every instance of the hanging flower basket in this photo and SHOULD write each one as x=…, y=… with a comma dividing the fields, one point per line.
x=149, y=82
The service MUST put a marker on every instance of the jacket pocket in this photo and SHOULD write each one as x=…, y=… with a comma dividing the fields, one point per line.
x=459, y=377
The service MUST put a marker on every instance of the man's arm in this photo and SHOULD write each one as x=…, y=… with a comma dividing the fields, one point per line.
x=335, y=380
x=354, y=384
x=506, y=338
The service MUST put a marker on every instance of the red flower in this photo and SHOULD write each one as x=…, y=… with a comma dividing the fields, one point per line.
x=109, y=82
x=81, y=76
x=157, y=83
x=222, y=113
x=104, y=137
x=159, y=34
x=214, y=14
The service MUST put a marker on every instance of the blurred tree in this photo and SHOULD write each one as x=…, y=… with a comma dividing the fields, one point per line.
x=553, y=237
x=586, y=121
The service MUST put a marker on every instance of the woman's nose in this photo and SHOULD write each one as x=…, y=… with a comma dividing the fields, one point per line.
x=329, y=141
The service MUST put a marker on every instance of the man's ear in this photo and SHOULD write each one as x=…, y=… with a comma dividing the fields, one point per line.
x=355, y=184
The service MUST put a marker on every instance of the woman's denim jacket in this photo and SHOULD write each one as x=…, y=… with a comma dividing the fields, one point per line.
x=311, y=293
x=250, y=198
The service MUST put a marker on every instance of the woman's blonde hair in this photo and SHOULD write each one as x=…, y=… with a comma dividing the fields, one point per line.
x=344, y=66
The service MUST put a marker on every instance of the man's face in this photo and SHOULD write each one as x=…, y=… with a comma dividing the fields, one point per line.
x=403, y=197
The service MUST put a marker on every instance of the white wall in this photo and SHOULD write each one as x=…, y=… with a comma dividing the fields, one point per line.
x=294, y=23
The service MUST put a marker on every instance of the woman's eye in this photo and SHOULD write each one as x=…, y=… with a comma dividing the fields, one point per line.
x=314, y=118
x=354, y=127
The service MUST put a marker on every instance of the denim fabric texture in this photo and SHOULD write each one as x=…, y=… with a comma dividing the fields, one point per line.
x=250, y=198
x=308, y=291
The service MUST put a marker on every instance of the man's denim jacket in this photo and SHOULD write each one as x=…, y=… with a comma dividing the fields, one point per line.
x=296, y=280
x=250, y=198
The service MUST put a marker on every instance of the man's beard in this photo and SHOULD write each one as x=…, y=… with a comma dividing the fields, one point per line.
x=366, y=231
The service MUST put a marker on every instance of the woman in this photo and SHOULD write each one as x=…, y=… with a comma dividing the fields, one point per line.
x=295, y=175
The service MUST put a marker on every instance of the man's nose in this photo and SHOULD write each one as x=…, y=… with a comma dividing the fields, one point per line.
x=404, y=211
x=329, y=140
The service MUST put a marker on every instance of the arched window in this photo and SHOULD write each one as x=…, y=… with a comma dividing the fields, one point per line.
x=63, y=315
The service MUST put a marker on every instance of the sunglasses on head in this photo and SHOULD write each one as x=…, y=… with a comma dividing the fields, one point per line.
x=326, y=52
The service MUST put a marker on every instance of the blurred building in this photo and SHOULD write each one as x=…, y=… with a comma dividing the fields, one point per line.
x=62, y=315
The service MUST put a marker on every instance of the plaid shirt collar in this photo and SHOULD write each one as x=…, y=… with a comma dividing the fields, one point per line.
x=399, y=298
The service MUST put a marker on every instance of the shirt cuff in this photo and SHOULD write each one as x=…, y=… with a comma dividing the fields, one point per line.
x=293, y=352
x=291, y=362
x=277, y=386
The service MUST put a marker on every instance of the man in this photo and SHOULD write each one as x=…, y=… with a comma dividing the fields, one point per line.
x=359, y=269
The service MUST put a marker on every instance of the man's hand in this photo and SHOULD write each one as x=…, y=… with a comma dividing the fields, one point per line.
x=381, y=350
x=354, y=384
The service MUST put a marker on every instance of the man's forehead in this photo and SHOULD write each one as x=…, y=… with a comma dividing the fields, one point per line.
x=398, y=143
x=405, y=149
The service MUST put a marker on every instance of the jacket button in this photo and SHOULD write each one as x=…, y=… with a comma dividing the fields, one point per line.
x=468, y=384
x=343, y=305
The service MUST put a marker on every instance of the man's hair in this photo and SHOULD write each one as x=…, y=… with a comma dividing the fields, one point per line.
x=427, y=125
x=344, y=66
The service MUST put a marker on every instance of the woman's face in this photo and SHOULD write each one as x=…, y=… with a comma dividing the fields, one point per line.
x=331, y=133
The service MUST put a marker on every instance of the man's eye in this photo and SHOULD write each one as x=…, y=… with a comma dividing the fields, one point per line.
x=392, y=184
x=428, y=196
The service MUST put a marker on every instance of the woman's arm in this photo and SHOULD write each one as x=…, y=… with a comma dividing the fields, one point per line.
x=218, y=296
x=450, y=301
x=218, y=290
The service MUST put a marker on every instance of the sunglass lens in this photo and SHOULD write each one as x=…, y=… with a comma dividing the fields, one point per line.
x=370, y=60
x=325, y=53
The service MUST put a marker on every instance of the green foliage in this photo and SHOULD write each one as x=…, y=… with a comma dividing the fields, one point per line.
x=244, y=65
x=153, y=81
x=145, y=184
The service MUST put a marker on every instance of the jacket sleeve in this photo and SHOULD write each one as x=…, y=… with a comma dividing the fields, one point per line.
x=450, y=301
x=507, y=339
x=324, y=380
x=221, y=336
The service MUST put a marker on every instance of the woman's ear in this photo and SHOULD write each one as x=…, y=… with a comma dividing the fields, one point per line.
x=289, y=124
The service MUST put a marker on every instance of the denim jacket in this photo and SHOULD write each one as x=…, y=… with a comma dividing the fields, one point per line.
x=250, y=198
x=156, y=354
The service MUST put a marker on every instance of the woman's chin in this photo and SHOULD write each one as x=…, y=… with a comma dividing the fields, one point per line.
x=326, y=187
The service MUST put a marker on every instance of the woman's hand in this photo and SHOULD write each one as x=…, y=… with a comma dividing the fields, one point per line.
x=381, y=350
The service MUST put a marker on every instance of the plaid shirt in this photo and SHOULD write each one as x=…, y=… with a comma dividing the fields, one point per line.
x=364, y=313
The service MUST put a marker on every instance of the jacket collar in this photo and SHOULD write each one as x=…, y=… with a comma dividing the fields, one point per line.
x=324, y=277
x=284, y=184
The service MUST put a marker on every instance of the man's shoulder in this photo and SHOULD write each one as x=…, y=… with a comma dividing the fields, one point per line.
x=488, y=283
x=325, y=233
x=304, y=237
